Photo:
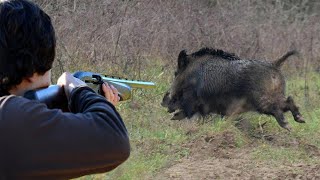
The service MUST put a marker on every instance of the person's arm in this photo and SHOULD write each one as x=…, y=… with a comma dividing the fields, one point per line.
x=51, y=144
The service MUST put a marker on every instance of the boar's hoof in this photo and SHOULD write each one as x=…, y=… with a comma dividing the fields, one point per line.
x=299, y=119
x=178, y=115
x=286, y=126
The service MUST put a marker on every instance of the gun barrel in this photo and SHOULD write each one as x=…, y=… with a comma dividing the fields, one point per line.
x=132, y=83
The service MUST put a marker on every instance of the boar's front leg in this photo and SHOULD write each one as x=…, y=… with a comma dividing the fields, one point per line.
x=189, y=108
x=276, y=110
x=278, y=114
x=290, y=106
x=189, y=102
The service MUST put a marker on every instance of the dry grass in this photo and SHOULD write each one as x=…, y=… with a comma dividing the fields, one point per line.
x=118, y=33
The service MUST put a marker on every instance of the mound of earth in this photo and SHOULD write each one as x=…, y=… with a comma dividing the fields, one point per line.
x=217, y=157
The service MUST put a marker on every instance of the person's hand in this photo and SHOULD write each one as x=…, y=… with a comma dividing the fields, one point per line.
x=111, y=93
x=69, y=82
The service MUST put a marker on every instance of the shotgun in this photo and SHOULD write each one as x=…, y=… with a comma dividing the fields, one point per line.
x=54, y=96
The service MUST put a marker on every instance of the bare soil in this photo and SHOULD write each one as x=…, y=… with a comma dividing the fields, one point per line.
x=217, y=157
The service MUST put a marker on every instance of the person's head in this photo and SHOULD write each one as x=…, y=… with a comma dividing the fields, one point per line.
x=27, y=43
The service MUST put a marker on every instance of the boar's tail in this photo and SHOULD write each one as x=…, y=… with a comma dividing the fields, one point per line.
x=280, y=61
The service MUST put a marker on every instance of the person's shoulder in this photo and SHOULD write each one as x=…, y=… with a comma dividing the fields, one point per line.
x=6, y=100
x=10, y=108
x=16, y=104
x=15, y=111
x=11, y=99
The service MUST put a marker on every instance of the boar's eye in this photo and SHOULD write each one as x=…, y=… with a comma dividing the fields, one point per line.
x=175, y=73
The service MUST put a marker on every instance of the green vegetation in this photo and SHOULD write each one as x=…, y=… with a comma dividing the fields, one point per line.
x=157, y=142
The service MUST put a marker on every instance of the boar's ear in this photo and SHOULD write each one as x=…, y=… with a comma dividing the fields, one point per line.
x=182, y=60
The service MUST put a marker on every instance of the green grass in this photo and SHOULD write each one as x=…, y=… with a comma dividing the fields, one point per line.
x=280, y=155
x=156, y=140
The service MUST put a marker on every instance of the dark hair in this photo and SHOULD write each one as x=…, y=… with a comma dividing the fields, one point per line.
x=27, y=42
x=215, y=52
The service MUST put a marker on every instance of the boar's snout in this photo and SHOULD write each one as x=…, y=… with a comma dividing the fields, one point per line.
x=169, y=103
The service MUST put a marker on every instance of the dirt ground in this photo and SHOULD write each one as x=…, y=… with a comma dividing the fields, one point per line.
x=217, y=157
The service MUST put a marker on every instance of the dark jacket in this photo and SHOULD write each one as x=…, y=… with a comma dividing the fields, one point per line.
x=41, y=143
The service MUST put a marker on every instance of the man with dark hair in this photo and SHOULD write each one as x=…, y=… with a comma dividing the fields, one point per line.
x=37, y=142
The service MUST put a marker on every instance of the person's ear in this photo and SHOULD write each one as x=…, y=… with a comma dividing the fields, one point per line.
x=32, y=79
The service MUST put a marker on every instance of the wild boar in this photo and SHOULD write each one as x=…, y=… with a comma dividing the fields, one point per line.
x=215, y=81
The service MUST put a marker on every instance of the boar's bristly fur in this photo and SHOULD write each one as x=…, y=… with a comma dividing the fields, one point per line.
x=214, y=81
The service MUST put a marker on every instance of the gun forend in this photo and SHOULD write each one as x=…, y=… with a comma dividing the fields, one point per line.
x=83, y=75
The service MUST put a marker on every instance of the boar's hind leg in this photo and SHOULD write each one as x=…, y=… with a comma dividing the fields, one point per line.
x=290, y=106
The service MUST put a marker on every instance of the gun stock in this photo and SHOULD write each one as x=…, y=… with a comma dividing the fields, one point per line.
x=53, y=96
